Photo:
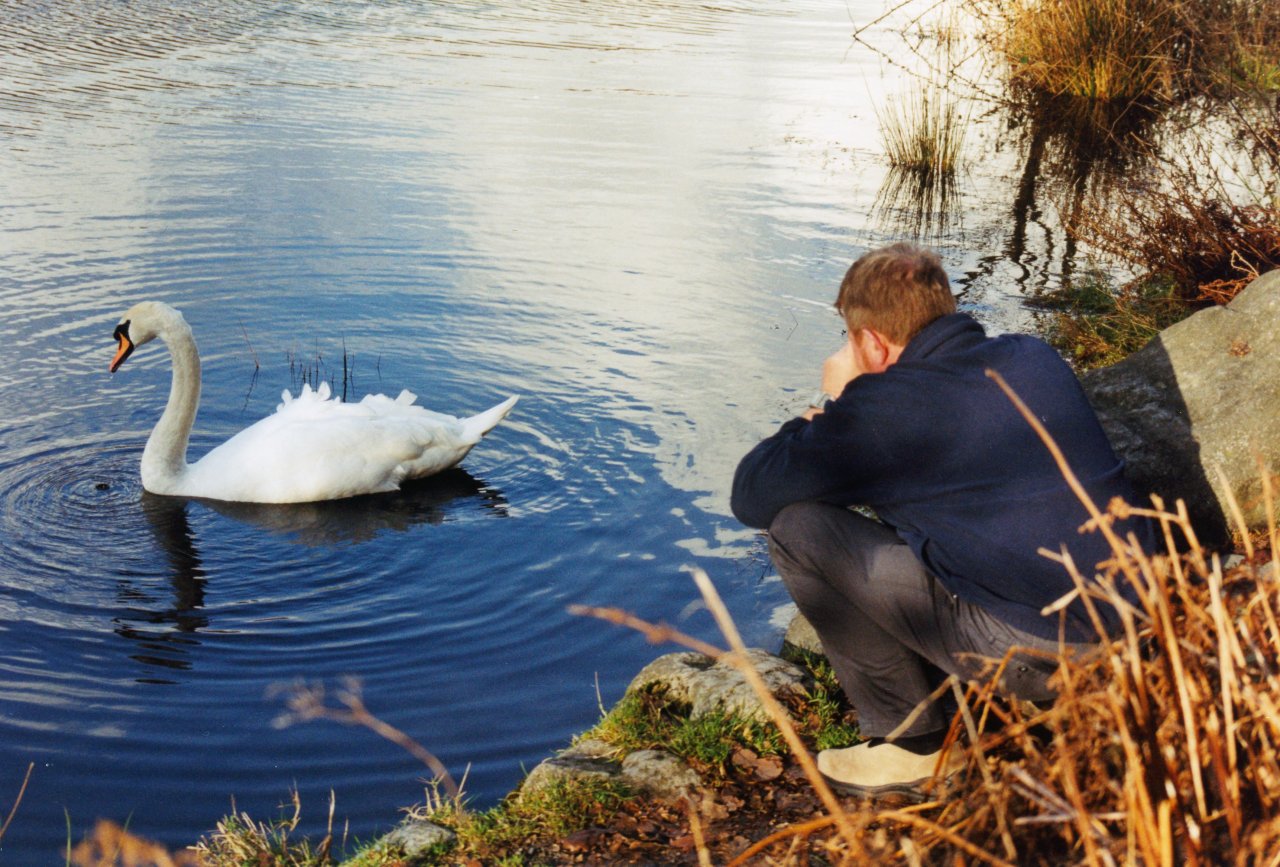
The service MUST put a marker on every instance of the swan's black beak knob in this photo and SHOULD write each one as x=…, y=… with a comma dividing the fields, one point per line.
x=125, y=347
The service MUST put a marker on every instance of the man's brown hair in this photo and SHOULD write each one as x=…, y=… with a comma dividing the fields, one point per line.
x=897, y=290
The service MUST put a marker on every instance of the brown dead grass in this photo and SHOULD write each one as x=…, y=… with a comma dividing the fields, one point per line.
x=110, y=845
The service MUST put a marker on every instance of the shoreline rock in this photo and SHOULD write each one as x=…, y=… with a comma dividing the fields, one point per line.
x=1191, y=412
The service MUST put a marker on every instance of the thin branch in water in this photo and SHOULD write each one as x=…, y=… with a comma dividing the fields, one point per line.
x=249, y=344
x=306, y=702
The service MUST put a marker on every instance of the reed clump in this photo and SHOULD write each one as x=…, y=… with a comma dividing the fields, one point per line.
x=923, y=131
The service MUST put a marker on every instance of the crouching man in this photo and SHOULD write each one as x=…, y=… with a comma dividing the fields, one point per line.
x=966, y=493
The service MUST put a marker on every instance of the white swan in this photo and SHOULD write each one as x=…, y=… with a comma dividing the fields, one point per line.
x=313, y=448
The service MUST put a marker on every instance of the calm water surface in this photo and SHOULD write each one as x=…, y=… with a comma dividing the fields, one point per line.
x=633, y=215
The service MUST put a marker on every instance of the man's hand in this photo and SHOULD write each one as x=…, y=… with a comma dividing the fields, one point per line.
x=839, y=369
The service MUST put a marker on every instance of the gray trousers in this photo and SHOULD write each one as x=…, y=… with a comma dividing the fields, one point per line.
x=889, y=629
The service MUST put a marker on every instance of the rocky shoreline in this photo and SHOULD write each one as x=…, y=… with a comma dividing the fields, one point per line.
x=697, y=684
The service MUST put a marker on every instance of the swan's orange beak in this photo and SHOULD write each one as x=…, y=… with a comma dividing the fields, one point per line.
x=125, y=347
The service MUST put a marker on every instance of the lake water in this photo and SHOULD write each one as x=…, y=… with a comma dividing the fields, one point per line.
x=632, y=214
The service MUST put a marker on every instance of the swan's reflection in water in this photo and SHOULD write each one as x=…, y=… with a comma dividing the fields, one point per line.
x=359, y=519
x=164, y=630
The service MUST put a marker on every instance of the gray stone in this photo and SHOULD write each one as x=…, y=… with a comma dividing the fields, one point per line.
x=568, y=767
x=1203, y=395
x=802, y=636
x=708, y=686
x=659, y=775
x=418, y=836
x=590, y=748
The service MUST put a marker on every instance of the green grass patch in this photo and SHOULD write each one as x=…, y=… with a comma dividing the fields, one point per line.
x=643, y=720
x=1258, y=66
x=1097, y=323
x=825, y=715
x=523, y=821
x=377, y=854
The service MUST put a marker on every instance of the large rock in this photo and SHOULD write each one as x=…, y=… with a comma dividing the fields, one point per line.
x=1203, y=395
x=656, y=774
x=660, y=775
x=801, y=635
x=708, y=686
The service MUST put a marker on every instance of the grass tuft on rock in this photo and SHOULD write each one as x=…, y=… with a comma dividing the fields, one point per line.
x=642, y=720
x=525, y=821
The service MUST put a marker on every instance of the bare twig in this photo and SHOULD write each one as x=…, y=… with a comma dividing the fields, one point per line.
x=18, y=800
x=306, y=702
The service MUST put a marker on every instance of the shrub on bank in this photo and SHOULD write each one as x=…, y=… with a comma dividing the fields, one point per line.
x=1136, y=49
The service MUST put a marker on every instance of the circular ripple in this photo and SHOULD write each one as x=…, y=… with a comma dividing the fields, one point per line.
x=57, y=500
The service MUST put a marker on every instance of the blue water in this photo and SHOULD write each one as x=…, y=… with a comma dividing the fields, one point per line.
x=633, y=215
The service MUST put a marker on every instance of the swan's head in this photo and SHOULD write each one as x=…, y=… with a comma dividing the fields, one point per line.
x=144, y=322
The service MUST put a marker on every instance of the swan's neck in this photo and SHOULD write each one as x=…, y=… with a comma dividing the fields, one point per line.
x=164, y=460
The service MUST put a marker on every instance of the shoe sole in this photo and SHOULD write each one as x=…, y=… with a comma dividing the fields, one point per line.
x=912, y=791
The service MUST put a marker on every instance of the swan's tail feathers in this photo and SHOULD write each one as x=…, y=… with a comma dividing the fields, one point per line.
x=480, y=424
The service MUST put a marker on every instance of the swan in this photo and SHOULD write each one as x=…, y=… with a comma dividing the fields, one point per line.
x=312, y=448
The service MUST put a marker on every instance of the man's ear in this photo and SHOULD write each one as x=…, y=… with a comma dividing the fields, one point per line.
x=878, y=351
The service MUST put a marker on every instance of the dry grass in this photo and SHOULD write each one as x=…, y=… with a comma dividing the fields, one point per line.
x=1131, y=50
x=1209, y=247
x=1207, y=216
x=1099, y=49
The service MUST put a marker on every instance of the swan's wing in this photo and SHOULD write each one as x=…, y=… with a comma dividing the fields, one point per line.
x=315, y=448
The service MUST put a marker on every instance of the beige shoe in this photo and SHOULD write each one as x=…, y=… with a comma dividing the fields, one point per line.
x=875, y=769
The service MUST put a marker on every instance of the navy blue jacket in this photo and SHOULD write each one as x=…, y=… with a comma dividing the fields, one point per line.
x=938, y=451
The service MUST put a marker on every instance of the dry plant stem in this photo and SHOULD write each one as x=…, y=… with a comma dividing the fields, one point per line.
x=695, y=828
x=946, y=834
x=1233, y=507
x=798, y=830
x=307, y=703
x=22, y=790
x=656, y=633
x=1010, y=851
x=775, y=710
